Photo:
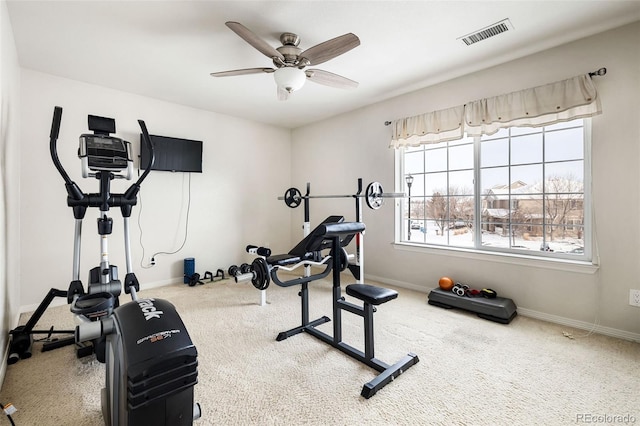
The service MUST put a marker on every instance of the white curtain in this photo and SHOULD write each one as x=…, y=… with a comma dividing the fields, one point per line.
x=432, y=127
x=539, y=106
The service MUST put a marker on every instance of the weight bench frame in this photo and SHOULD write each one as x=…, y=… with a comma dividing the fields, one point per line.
x=387, y=372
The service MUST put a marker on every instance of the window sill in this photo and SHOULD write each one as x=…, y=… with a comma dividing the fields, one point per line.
x=582, y=267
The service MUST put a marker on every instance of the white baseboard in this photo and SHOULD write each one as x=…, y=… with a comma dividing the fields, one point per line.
x=396, y=283
x=530, y=313
x=59, y=301
x=581, y=325
x=3, y=367
x=162, y=283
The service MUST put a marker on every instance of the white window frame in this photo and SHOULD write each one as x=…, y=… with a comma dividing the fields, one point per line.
x=587, y=258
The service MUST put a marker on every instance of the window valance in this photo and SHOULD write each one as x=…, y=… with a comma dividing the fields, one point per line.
x=432, y=127
x=539, y=106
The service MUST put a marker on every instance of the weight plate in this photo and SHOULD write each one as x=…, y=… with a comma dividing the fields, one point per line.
x=374, y=195
x=292, y=197
x=260, y=273
x=344, y=259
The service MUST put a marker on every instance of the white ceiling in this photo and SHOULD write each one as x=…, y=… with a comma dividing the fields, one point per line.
x=166, y=49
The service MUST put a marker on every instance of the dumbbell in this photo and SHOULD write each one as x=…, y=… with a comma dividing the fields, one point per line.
x=460, y=289
x=235, y=270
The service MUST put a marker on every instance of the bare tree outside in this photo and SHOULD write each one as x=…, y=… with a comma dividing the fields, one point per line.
x=563, y=201
x=437, y=210
x=456, y=207
x=551, y=210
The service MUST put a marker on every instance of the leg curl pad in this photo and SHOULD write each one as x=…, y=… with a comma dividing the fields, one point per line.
x=371, y=294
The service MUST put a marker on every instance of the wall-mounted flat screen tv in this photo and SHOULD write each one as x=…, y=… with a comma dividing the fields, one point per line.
x=172, y=154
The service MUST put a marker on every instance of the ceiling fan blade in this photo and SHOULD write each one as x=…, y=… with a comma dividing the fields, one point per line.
x=247, y=35
x=283, y=95
x=330, y=49
x=330, y=79
x=244, y=71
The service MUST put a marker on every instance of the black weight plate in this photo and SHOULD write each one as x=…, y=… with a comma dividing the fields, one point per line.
x=344, y=259
x=374, y=195
x=260, y=274
x=292, y=197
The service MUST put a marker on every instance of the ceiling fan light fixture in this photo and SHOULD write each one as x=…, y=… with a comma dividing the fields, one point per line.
x=289, y=78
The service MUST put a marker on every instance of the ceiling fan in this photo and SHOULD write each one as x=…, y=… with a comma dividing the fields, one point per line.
x=290, y=61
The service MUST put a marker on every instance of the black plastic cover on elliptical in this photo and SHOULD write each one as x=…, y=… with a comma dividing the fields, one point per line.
x=161, y=358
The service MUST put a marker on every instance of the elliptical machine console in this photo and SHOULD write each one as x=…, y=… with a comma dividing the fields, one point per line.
x=151, y=362
x=101, y=152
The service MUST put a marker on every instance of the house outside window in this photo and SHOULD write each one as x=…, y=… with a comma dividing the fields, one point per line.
x=520, y=190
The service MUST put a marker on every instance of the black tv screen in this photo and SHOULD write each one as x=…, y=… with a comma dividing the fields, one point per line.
x=172, y=154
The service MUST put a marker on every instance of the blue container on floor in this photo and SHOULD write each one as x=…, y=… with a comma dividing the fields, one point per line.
x=189, y=268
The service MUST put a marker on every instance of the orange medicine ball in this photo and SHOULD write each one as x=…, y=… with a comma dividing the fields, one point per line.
x=446, y=283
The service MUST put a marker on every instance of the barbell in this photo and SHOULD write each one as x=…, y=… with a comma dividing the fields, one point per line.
x=374, y=196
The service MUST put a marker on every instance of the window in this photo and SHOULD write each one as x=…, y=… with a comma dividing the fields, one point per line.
x=521, y=190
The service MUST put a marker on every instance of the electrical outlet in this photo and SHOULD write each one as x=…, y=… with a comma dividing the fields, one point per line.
x=634, y=297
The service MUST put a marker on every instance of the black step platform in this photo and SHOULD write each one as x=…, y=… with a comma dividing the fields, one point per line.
x=500, y=309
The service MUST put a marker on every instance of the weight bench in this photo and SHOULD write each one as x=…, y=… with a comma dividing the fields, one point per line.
x=333, y=233
x=370, y=296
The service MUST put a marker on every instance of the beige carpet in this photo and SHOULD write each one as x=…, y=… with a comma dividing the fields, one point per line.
x=471, y=371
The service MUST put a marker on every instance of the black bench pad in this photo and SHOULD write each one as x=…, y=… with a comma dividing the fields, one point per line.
x=371, y=294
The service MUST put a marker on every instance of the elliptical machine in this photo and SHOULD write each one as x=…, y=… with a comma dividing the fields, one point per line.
x=151, y=362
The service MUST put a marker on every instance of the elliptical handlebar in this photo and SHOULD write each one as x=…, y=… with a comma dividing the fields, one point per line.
x=152, y=157
x=73, y=191
x=132, y=192
x=53, y=144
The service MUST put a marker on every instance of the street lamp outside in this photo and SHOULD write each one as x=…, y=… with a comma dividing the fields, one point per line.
x=409, y=180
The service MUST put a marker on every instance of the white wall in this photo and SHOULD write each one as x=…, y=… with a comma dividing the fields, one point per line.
x=333, y=153
x=245, y=165
x=9, y=183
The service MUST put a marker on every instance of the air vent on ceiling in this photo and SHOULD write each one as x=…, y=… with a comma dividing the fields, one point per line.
x=485, y=33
